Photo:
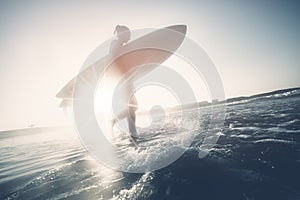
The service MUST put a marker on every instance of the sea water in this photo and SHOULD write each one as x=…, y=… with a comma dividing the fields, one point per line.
x=257, y=157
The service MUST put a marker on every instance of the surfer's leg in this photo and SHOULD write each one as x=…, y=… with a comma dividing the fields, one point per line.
x=131, y=116
x=132, y=128
x=131, y=123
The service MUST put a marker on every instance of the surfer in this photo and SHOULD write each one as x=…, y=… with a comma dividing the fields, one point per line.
x=123, y=36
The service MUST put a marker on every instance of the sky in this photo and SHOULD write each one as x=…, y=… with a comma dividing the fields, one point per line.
x=255, y=46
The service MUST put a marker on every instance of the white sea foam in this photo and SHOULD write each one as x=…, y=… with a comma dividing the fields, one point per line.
x=241, y=136
x=269, y=140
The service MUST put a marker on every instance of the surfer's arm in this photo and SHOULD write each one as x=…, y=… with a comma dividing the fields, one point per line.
x=114, y=47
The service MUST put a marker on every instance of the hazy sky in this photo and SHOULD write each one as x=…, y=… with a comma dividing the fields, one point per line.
x=255, y=46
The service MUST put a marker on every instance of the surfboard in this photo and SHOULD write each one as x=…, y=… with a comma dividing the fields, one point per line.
x=149, y=50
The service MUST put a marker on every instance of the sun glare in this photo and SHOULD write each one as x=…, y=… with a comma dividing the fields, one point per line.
x=103, y=103
x=148, y=97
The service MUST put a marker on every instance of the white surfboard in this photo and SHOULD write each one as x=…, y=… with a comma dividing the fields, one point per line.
x=153, y=49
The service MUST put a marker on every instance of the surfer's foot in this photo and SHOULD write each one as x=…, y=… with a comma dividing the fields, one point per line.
x=133, y=140
x=135, y=137
x=134, y=134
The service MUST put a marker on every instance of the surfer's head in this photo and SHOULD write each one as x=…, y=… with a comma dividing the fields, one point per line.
x=123, y=33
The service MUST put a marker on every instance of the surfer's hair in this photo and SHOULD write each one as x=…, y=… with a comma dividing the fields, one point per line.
x=121, y=28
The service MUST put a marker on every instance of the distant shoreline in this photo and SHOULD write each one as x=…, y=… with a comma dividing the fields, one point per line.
x=202, y=104
x=32, y=129
x=186, y=106
x=261, y=94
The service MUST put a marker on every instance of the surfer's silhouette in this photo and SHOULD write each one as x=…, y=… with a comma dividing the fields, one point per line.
x=123, y=36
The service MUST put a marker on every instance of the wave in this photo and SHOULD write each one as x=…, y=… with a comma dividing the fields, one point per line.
x=269, y=140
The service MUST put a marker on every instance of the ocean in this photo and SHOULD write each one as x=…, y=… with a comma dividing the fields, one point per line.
x=256, y=157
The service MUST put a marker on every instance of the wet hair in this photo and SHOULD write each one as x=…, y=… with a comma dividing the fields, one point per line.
x=121, y=28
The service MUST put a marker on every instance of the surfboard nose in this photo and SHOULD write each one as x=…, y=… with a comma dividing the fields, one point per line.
x=181, y=28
